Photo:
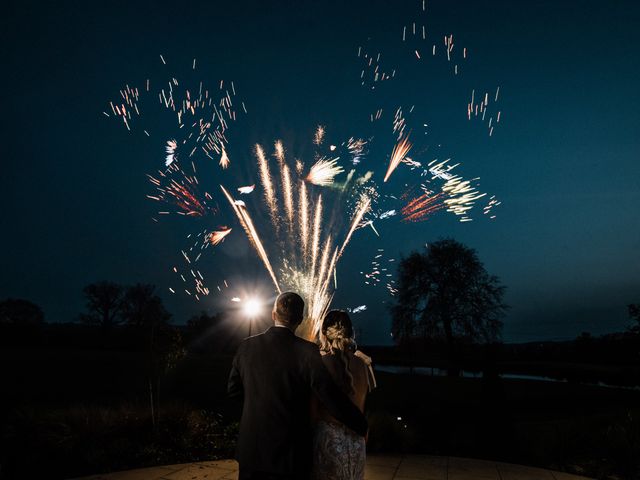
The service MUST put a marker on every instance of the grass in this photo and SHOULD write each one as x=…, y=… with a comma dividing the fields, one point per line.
x=70, y=413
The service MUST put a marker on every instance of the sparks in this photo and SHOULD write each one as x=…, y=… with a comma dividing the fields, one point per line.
x=397, y=155
x=422, y=207
x=171, y=148
x=359, y=309
x=266, y=180
x=224, y=159
x=319, y=135
x=249, y=228
x=218, y=236
x=324, y=171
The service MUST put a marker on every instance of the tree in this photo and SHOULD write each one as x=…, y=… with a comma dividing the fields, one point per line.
x=19, y=312
x=206, y=332
x=634, y=313
x=445, y=292
x=202, y=324
x=144, y=313
x=104, y=303
x=142, y=308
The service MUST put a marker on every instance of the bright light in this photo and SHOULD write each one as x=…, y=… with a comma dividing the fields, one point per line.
x=252, y=307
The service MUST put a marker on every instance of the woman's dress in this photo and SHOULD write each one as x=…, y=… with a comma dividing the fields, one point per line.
x=338, y=452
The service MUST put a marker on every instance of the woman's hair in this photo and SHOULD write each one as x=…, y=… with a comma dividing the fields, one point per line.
x=337, y=339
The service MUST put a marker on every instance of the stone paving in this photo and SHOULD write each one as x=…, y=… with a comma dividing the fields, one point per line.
x=379, y=467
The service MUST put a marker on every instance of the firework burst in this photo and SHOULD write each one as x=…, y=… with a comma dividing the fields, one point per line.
x=218, y=236
x=397, y=155
x=174, y=187
x=312, y=245
x=171, y=148
x=224, y=159
x=324, y=171
x=422, y=207
x=302, y=223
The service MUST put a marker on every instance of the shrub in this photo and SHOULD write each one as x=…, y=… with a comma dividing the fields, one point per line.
x=85, y=439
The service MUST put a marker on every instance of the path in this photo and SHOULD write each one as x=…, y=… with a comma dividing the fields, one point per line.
x=379, y=467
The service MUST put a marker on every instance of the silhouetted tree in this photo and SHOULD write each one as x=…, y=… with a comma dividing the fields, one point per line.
x=634, y=313
x=144, y=312
x=104, y=303
x=203, y=323
x=142, y=308
x=204, y=331
x=445, y=292
x=166, y=348
x=19, y=312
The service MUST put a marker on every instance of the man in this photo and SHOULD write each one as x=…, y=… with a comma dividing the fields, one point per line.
x=277, y=373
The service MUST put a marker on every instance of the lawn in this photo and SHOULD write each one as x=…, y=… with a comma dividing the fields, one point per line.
x=76, y=412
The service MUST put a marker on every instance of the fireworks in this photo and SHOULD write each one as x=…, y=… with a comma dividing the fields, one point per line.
x=422, y=207
x=324, y=171
x=373, y=70
x=287, y=192
x=490, y=205
x=309, y=252
x=462, y=196
x=279, y=153
x=315, y=238
x=319, y=136
x=457, y=195
x=247, y=224
x=302, y=222
x=399, y=123
x=479, y=110
x=224, y=159
x=363, y=207
x=356, y=148
x=190, y=272
x=397, y=155
x=304, y=218
x=267, y=184
x=176, y=188
x=171, y=148
x=202, y=120
x=218, y=236
x=378, y=273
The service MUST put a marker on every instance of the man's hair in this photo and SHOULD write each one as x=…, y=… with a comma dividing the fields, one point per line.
x=289, y=308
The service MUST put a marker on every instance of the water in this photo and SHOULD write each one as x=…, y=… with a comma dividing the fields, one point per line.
x=440, y=372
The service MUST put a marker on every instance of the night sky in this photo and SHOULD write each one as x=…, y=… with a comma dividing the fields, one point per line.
x=564, y=162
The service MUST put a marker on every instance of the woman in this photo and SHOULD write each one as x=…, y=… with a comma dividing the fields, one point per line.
x=339, y=453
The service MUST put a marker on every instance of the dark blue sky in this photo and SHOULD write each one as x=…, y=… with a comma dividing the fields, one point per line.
x=565, y=161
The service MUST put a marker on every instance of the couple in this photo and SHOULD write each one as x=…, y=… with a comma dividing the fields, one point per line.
x=302, y=413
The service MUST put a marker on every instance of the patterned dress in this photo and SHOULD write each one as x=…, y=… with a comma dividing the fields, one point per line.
x=338, y=452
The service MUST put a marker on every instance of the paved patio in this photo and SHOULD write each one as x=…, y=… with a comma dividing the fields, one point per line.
x=379, y=467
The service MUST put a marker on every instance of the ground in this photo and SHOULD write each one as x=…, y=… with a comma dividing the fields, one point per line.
x=379, y=467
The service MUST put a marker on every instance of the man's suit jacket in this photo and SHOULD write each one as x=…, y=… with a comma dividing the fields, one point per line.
x=278, y=372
